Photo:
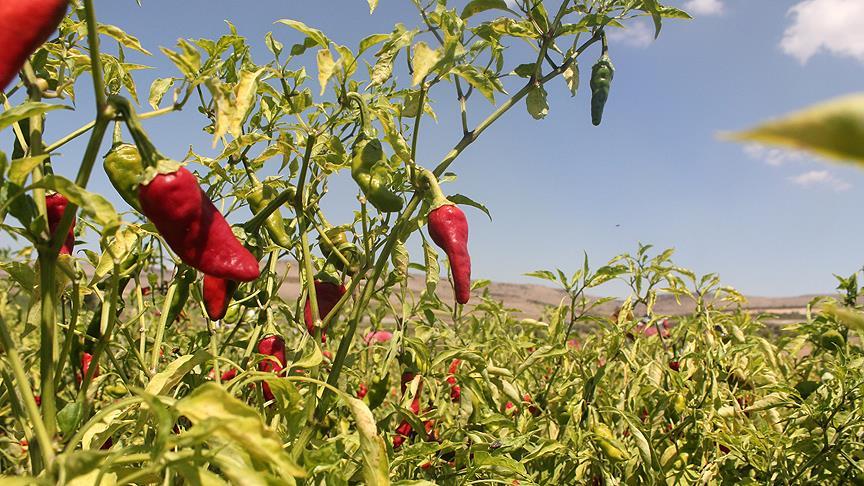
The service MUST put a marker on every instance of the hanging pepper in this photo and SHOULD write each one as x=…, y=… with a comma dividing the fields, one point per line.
x=448, y=228
x=327, y=294
x=171, y=198
x=86, y=359
x=455, y=389
x=405, y=431
x=123, y=167
x=273, y=346
x=601, y=81
x=24, y=26
x=182, y=284
x=369, y=164
x=218, y=293
x=339, y=241
x=259, y=198
x=55, y=205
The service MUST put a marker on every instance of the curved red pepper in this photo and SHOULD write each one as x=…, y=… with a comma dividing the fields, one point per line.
x=55, y=205
x=24, y=26
x=218, y=293
x=327, y=294
x=455, y=389
x=448, y=228
x=271, y=346
x=194, y=228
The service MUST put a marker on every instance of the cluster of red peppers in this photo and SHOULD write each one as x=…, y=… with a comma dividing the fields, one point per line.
x=24, y=26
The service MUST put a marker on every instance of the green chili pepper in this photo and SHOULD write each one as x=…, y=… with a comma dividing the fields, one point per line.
x=348, y=250
x=123, y=167
x=182, y=283
x=601, y=81
x=258, y=199
x=370, y=167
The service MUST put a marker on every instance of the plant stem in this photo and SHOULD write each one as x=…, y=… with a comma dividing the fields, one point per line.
x=40, y=430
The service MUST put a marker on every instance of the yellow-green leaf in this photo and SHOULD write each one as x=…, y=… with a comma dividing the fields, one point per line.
x=376, y=468
x=834, y=129
x=326, y=66
x=424, y=60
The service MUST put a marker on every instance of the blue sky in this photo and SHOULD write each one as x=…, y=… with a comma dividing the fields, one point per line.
x=770, y=222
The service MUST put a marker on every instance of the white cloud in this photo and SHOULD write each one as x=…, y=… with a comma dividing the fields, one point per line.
x=704, y=7
x=820, y=178
x=772, y=156
x=834, y=26
x=636, y=34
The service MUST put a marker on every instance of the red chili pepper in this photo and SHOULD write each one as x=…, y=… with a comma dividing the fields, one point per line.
x=38, y=400
x=218, y=293
x=229, y=375
x=327, y=294
x=24, y=26
x=374, y=337
x=271, y=346
x=194, y=228
x=362, y=390
x=404, y=431
x=455, y=390
x=532, y=409
x=675, y=365
x=55, y=205
x=449, y=230
x=86, y=359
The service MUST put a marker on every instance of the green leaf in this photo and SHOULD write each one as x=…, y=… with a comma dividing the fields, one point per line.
x=226, y=418
x=571, y=77
x=122, y=37
x=69, y=417
x=372, y=5
x=476, y=6
x=481, y=80
x=26, y=110
x=20, y=169
x=316, y=35
x=326, y=66
x=433, y=269
x=376, y=469
x=425, y=58
x=158, y=89
x=234, y=105
x=167, y=379
x=536, y=102
x=372, y=40
x=833, y=129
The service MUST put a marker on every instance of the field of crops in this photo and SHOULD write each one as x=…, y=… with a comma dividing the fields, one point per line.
x=205, y=323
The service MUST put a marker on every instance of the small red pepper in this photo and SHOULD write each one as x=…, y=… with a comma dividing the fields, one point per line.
x=532, y=409
x=194, y=228
x=327, y=294
x=218, y=293
x=271, y=346
x=55, y=205
x=675, y=365
x=448, y=228
x=376, y=337
x=24, y=26
x=455, y=389
x=404, y=431
x=86, y=359
x=362, y=390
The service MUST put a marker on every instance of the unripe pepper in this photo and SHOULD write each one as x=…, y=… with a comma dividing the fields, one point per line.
x=601, y=81
x=24, y=26
x=171, y=198
x=123, y=167
x=607, y=443
x=218, y=293
x=273, y=346
x=327, y=294
x=55, y=205
x=182, y=283
x=259, y=198
x=448, y=228
x=369, y=165
x=337, y=241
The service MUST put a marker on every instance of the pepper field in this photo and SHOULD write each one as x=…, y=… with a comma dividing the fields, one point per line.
x=142, y=345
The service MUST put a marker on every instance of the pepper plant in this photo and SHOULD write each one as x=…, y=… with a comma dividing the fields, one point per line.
x=144, y=376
